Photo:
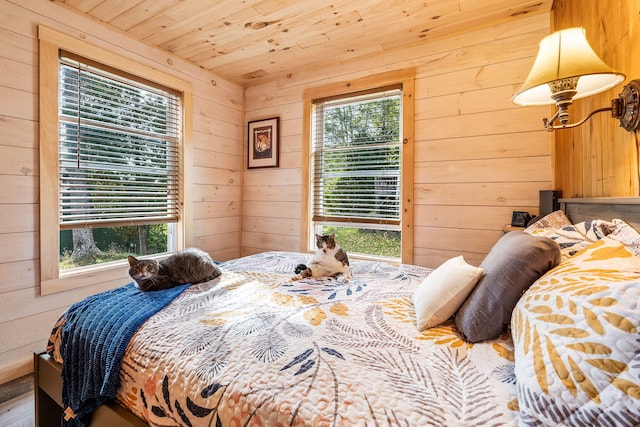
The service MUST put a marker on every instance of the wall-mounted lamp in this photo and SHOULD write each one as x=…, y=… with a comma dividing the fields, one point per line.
x=565, y=69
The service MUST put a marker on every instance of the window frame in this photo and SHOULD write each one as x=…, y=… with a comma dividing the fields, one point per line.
x=404, y=78
x=51, y=42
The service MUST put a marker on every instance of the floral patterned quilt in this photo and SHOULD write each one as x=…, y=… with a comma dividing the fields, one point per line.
x=254, y=348
x=576, y=339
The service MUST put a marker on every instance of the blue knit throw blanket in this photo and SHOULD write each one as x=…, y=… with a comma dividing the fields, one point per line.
x=94, y=337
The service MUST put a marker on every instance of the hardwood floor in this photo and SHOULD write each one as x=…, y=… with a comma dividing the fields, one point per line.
x=16, y=403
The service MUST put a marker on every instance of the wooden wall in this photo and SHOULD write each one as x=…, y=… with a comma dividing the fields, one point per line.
x=478, y=156
x=26, y=317
x=599, y=158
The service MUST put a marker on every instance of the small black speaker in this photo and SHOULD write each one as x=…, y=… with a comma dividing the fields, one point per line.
x=549, y=201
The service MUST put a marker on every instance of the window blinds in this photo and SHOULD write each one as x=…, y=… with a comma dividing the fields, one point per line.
x=356, y=158
x=119, y=154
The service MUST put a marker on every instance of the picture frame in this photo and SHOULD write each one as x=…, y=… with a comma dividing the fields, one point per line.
x=263, y=143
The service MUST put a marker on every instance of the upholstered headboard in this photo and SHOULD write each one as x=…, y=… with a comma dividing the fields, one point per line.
x=607, y=208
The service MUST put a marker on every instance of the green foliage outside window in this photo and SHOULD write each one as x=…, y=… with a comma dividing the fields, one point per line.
x=384, y=243
x=115, y=243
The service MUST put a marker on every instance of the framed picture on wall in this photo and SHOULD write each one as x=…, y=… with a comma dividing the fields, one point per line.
x=263, y=146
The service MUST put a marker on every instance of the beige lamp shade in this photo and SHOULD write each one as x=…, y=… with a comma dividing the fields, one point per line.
x=566, y=54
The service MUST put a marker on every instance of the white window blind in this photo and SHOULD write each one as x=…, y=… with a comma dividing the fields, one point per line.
x=356, y=158
x=119, y=141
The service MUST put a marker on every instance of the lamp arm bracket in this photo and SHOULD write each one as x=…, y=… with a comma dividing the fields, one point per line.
x=625, y=108
x=549, y=125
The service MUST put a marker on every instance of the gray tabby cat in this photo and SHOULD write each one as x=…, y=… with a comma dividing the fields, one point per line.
x=188, y=266
x=330, y=260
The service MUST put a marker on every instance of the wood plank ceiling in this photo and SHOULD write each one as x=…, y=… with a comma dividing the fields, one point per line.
x=254, y=41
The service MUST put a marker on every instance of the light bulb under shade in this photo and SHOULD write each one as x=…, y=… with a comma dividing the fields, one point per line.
x=565, y=54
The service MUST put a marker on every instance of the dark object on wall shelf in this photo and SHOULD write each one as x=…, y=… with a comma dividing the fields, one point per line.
x=520, y=219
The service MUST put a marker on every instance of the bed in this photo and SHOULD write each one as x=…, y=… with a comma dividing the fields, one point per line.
x=253, y=347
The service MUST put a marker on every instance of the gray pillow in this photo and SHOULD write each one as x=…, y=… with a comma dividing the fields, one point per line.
x=516, y=261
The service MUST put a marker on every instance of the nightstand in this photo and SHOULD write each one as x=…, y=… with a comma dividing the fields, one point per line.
x=507, y=228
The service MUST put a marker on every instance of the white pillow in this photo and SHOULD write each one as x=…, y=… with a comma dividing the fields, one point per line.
x=443, y=291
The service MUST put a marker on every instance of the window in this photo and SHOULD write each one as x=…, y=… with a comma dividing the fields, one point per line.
x=116, y=173
x=119, y=164
x=356, y=171
x=358, y=149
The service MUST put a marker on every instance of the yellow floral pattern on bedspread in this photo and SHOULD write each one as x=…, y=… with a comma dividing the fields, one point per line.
x=253, y=348
x=577, y=347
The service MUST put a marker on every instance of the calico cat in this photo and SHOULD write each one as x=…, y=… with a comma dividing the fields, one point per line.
x=188, y=266
x=330, y=260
